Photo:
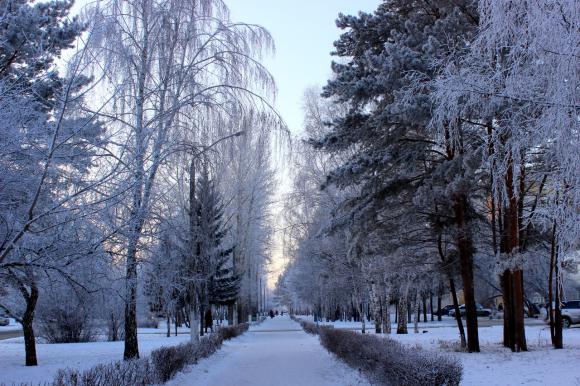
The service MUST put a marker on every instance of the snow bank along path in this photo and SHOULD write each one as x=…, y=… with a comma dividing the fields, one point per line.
x=277, y=352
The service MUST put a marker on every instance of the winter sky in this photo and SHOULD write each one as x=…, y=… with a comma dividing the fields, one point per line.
x=303, y=31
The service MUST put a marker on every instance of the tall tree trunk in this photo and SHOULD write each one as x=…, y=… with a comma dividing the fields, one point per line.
x=241, y=314
x=131, y=350
x=457, y=313
x=518, y=291
x=465, y=247
x=417, y=314
x=202, y=320
x=439, y=296
x=194, y=322
x=402, y=312
x=431, y=305
x=515, y=282
x=386, y=317
x=555, y=312
x=176, y=322
x=508, y=325
x=362, y=317
x=558, y=322
x=376, y=304
x=453, y=291
x=231, y=318
x=27, y=328
x=139, y=202
x=168, y=325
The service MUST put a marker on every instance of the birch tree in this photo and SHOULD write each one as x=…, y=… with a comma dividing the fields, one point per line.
x=170, y=60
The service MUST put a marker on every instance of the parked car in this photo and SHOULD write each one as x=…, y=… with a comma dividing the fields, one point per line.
x=478, y=308
x=444, y=311
x=570, y=313
x=4, y=321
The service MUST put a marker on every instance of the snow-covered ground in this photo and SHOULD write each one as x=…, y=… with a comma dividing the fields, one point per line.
x=495, y=365
x=277, y=352
x=52, y=357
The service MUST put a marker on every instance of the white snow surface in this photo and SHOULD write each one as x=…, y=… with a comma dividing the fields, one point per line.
x=52, y=357
x=496, y=365
x=276, y=352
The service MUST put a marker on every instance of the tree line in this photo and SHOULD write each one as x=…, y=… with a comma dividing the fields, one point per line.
x=135, y=177
x=442, y=155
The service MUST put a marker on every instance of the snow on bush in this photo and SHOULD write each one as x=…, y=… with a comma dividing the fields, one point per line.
x=308, y=327
x=228, y=333
x=168, y=361
x=137, y=372
x=387, y=362
x=66, y=325
x=160, y=367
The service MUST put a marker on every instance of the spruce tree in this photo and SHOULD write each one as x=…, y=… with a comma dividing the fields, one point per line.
x=389, y=59
x=217, y=284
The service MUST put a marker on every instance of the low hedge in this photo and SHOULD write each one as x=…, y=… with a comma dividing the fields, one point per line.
x=138, y=372
x=308, y=327
x=387, y=362
x=160, y=367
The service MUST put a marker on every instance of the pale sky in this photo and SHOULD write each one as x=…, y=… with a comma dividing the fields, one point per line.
x=304, y=32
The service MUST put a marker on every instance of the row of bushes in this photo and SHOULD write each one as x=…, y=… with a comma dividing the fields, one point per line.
x=309, y=327
x=159, y=368
x=386, y=361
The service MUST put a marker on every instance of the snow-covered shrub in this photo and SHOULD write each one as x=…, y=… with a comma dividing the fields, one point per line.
x=66, y=322
x=167, y=361
x=231, y=332
x=309, y=327
x=138, y=372
x=160, y=367
x=388, y=362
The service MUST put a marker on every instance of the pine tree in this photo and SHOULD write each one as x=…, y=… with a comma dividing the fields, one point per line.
x=33, y=36
x=391, y=58
x=216, y=282
x=45, y=148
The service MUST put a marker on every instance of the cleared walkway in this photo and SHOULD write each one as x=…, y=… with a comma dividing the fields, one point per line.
x=275, y=353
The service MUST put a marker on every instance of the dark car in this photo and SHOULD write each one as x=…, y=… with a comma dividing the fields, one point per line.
x=444, y=311
x=4, y=321
x=478, y=308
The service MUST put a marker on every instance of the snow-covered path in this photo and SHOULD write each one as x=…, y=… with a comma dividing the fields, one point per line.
x=277, y=352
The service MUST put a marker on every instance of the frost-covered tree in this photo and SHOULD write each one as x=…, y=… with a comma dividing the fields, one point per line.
x=209, y=269
x=387, y=54
x=169, y=63
x=518, y=83
x=47, y=153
